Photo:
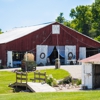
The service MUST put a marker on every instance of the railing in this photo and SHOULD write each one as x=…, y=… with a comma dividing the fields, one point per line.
x=40, y=77
x=21, y=77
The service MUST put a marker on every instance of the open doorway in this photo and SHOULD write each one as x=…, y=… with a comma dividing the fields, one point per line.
x=55, y=55
x=17, y=58
x=91, y=51
x=96, y=76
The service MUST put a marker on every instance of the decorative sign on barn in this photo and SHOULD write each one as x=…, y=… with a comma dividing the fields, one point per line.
x=55, y=29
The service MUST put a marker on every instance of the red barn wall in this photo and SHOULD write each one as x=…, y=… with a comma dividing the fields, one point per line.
x=67, y=36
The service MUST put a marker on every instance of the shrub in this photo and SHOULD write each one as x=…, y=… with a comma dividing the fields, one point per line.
x=28, y=63
x=79, y=81
x=51, y=81
x=66, y=80
x=76, y=81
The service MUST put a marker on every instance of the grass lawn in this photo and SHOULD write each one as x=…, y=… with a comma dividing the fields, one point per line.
x=88, y=95
x=10, y=77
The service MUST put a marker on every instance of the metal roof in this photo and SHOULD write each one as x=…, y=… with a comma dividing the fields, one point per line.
x=93, y=59
x=18, y=33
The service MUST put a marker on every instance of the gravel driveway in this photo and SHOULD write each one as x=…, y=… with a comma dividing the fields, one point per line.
x=74, y=70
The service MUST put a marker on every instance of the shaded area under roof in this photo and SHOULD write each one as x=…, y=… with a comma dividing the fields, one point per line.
x=93, y=59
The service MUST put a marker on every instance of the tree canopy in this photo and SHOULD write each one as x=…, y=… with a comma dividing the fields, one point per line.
x=1, y=31
x=85, y=19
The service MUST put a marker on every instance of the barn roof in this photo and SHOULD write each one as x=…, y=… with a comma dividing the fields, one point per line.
x=18, y=33
x=22, y=31
x=93, y=59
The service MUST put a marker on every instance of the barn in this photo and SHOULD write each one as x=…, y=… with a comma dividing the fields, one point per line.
x=47, y=42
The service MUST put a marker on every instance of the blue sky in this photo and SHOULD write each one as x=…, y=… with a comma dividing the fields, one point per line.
x=18, y=13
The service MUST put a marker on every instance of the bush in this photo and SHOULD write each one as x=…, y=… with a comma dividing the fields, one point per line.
x=66, y=80
x=76, y=81
x=79, y=82
x=51, y=81
x=28, y=65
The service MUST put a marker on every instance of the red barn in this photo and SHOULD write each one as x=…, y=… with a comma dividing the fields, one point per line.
x=47, y=42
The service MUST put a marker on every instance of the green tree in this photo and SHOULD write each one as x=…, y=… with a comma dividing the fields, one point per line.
x=1, y=31
x=97, y=38
x=60, y=18
x=82, y=19
x=96, y=17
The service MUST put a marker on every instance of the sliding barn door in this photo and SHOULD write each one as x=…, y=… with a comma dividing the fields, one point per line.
x=41, y=54
x=9, y=59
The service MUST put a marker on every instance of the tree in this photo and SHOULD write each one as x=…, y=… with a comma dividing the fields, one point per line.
x=85, y=19
x=1, y=31
x=82, y=18
x=97, y=38
x=96, y=16
x=60, y=18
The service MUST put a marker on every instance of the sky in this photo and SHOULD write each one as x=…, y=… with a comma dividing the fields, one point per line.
x=20, y=13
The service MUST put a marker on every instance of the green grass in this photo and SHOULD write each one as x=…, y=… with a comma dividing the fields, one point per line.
x=56, y=73
x=88, y=95
x=10, y=77
x=5, y=79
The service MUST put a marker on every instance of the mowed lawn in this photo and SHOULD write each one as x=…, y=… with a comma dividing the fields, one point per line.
x=9, y=77
x=88, y=95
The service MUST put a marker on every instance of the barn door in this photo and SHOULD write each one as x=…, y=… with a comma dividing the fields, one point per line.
x=87, y=75
x=72, y=50
x=9, y=59
x=41, y=54
x=82, y=52
x=97, y=76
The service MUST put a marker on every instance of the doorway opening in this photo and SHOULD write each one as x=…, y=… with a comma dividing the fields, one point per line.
x=96, y=76
x=17, y=58
x=91, y=51
x=55, y=55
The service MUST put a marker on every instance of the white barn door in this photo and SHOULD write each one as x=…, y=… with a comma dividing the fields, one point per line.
x=41, y=54
x=82, y=52
x=68, y=49
x=9, y=59
x=87, y=75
